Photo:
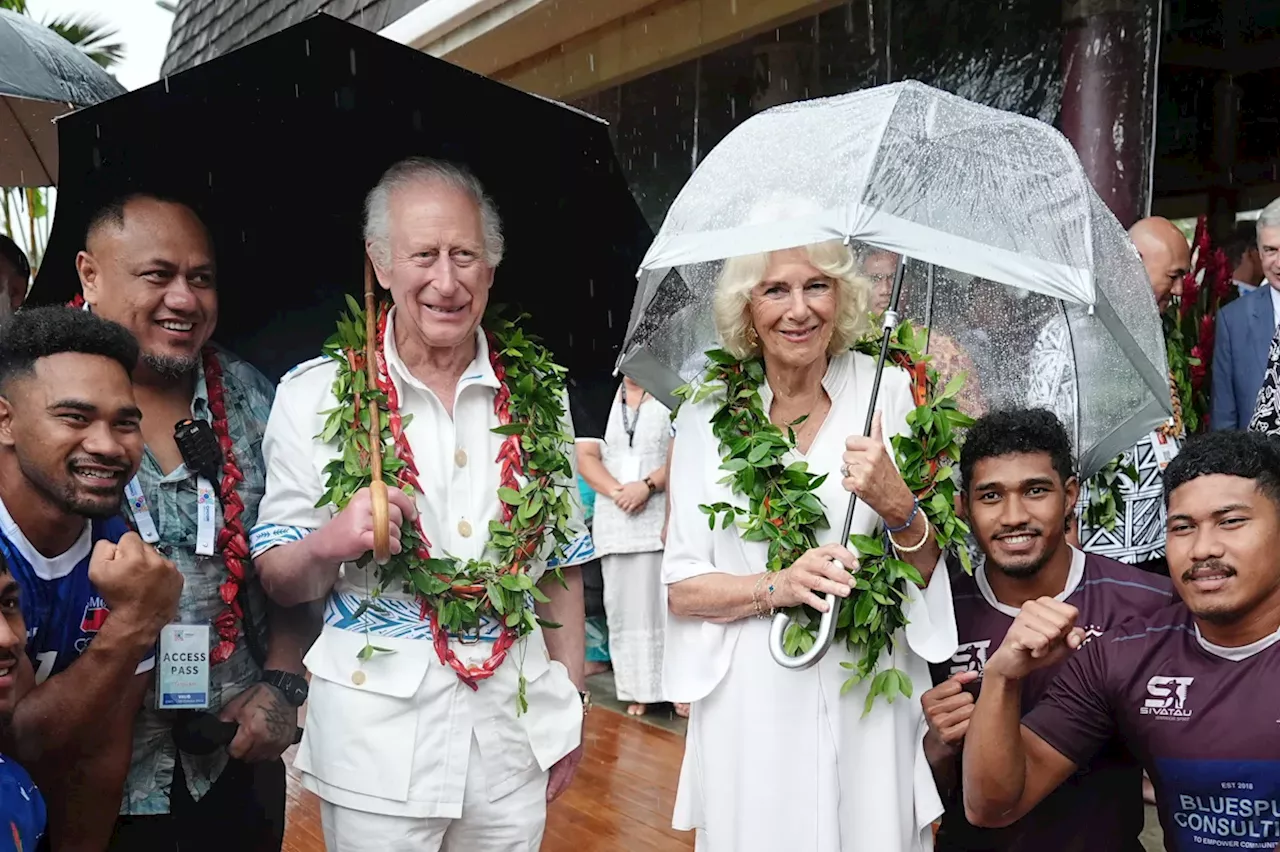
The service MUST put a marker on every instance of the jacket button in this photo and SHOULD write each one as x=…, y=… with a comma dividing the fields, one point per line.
x=357, y=677
x=460, y=457
x=464, y=529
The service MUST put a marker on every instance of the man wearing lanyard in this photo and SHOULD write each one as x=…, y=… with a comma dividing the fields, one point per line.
x=69, y=441
x=148, y=264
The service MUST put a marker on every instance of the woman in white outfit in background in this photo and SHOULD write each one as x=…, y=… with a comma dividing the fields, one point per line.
x=628, y=469
x=778, y=759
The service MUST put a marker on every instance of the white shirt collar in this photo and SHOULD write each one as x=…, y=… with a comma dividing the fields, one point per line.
x=1243, y=652
x=833, y=382
x=45, y=567
x=478, y=372
x=1075, y=575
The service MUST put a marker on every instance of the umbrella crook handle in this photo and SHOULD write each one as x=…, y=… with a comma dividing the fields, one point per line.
x=378, y=500
x=827, y=624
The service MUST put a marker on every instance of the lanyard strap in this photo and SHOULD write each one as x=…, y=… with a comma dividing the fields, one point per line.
x=205, y=514
x=628, y=423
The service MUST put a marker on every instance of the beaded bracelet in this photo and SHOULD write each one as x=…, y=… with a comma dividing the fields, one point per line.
x=924, y=538
x=911, y=519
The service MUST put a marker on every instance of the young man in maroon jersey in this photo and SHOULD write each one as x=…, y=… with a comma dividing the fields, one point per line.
x=1193, y=690
x=1019, y=493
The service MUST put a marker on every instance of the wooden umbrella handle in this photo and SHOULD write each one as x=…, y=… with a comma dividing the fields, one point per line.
x=378, y=501
x=380, y=507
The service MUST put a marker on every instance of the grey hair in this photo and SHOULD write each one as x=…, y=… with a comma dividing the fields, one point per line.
x=732, y=300
x=1269, y=217
x=419, y=170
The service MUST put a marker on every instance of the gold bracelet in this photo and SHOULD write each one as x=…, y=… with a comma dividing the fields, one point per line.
x=924, y=538
x=755, y=595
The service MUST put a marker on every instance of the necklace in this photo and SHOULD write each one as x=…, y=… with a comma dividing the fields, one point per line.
x=233, y=543
x=458, y=596
x=783, y=508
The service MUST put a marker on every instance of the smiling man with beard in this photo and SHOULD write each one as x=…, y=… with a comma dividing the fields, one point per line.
x=1019, y=492
x=69, y=441
x=1191, y=689
x=148, y=264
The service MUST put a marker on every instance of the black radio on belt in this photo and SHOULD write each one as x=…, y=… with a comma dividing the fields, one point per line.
x=199, y=447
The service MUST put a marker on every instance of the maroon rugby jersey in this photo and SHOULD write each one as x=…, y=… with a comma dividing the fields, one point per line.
x=1203, y=720
x=1099, y=809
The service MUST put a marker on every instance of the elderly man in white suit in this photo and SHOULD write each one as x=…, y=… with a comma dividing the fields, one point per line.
x=404, y=754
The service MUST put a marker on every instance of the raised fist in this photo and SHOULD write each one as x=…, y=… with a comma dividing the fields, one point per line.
x=349, y=535
x=947, y=708
x=1043, y=633
x=137, y=583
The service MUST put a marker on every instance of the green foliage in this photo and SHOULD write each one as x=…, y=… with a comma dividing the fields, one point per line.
x=783, y=508
x=462, y=593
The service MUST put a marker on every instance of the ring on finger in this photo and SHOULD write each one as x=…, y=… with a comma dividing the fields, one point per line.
x=844, y=471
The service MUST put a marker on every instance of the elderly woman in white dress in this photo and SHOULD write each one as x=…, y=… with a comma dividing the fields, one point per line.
x=776, y=758
x=629, y=469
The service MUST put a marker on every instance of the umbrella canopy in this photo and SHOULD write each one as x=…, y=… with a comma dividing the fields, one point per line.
x=42, y=76
x=277, y=143
x=988, y=199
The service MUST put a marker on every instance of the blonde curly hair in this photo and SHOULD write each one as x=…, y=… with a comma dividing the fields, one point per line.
x=834, y=259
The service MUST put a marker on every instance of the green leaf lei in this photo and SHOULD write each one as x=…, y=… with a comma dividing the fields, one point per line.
x=461, y=593
x=784, y=510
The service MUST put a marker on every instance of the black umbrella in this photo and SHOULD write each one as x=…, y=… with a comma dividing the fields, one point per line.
x=276, y=145
x=42, y=76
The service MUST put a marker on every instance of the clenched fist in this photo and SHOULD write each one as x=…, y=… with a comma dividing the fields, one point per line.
x=1043, y=633
x=138, y=584
x=349, y=535
x=947, y=708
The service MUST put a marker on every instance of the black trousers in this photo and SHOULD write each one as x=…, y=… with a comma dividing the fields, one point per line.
x=243, y=811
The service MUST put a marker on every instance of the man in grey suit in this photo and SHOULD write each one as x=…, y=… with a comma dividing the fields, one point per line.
x=1245, y=329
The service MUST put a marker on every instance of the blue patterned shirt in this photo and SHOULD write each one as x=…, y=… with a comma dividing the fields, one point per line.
x=172, y=501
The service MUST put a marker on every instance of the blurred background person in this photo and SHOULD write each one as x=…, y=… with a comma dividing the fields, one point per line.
x=1242, y=253
x=628, y=470
x=15, y=276
x=1243, y=355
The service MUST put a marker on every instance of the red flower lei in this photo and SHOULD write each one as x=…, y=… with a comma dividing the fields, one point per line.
x=232, y=540
x=511, y=458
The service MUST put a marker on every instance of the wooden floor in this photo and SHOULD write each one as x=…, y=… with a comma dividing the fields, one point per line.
x=621, y=800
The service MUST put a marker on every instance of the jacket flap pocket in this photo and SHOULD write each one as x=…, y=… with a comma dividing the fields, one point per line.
x=335, y=657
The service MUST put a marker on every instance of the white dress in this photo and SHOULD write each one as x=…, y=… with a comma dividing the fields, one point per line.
x=630, y=547
x=778, y=759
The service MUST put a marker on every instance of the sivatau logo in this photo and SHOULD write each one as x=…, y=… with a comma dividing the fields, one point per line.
x=1168, y=697
x=970, y=657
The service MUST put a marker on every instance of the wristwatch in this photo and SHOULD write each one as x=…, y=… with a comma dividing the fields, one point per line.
x=649, y=482
x=586, y=701
x=292, y=686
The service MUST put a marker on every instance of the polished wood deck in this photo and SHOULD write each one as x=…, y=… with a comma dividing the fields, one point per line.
x=621, y=800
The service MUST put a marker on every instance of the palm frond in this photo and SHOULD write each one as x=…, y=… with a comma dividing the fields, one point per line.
x=99, y=42
x=19, y=6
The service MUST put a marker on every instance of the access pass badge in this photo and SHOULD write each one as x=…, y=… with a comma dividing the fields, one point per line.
x=1166, y=449
x=183, y=667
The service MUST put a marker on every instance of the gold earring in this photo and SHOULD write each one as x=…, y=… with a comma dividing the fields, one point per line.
x=753, y=339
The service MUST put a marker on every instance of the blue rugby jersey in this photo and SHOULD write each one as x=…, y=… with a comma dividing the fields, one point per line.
x=22, y=811
x=62, y=609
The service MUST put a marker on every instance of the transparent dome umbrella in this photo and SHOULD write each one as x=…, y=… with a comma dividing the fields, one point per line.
x=1011, y=248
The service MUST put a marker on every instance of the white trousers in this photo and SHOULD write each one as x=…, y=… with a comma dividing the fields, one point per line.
x=513, y=823
x=635, y=605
